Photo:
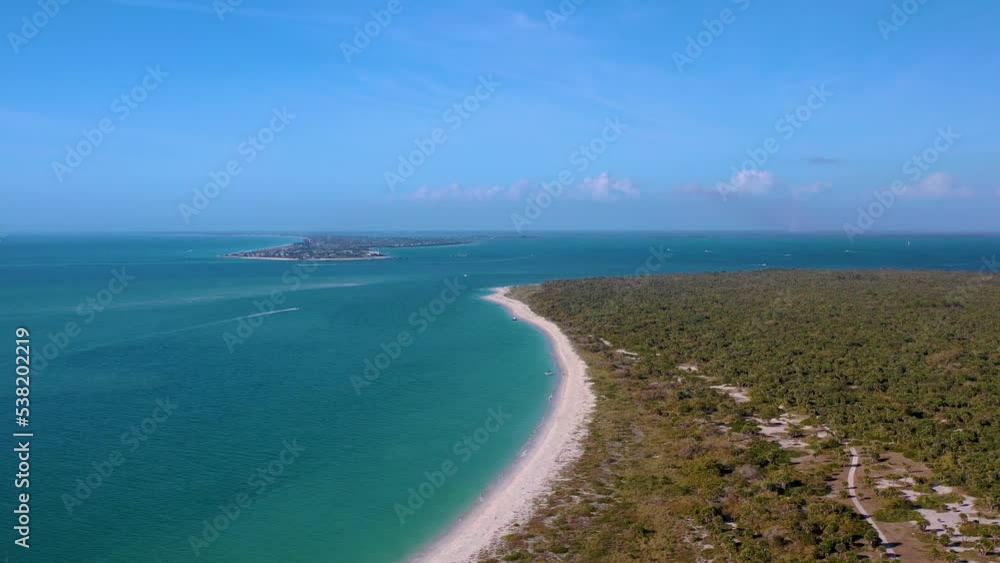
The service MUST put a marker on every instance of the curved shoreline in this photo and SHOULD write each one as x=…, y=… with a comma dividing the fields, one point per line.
x=555, y=444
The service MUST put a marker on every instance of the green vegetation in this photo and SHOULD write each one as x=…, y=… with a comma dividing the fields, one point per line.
x=900, y=361
x=897, y=509
x=936, y=501
x=988, y=536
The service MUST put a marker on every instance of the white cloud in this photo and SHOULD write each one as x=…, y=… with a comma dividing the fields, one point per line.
x=939, y=185
x=603, y=188
x=454, y=192
x=752, y=182
x=748, y=182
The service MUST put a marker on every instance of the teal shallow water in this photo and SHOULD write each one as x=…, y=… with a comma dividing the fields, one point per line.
x=290, y=379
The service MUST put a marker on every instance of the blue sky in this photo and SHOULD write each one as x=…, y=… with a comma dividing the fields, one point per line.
x=671, y=97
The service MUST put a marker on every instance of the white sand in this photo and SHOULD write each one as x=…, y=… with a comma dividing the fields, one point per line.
x=778, y=430
x=555, y=444
x=852, y=488
x=949, y=521
x=739, y=394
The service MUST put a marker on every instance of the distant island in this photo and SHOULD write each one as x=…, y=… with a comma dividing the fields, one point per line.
x=344, y=247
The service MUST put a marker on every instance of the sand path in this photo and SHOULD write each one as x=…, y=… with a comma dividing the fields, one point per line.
x=853, y=488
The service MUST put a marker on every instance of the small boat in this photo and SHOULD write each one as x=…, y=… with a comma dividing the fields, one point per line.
x=513, y=318
x=549, y=373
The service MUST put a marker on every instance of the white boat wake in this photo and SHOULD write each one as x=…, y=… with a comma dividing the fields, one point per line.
x=266, y=313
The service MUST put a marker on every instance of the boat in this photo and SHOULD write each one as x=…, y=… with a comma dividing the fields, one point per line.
x=549, y=373
x=513, y=318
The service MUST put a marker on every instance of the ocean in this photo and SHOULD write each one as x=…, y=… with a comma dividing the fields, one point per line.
x=188, y=407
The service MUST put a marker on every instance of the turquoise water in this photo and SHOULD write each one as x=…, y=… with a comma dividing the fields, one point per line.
x=285, y=392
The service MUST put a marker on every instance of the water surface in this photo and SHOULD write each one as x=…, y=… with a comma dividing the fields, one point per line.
x=291, y=379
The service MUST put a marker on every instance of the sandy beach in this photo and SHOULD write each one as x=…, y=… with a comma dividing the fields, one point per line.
x=555, y=444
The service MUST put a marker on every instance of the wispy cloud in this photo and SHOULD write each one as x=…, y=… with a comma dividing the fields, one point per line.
x=239, y=10
x=824, y=161
x=522, y=21
x=456, y=192
x=602, y=189
x=751, y=182
x=166, y=5
x=814, y=188
x=754, y=183
x=939, y=185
